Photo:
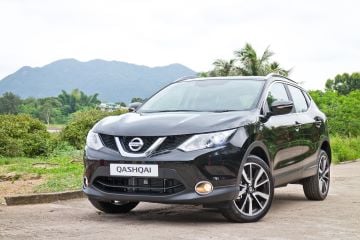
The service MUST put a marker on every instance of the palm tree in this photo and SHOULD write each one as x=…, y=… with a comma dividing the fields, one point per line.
x=252, y=65
x=77, y=100
x=88, y=100
x=247, y=63
x=224, y=68
x=274, y=67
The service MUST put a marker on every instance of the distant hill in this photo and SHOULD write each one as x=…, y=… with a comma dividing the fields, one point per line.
x=114, y=81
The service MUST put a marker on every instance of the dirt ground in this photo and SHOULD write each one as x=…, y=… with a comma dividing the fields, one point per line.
x=291, y=217
x=11, y=184
x=10, y=188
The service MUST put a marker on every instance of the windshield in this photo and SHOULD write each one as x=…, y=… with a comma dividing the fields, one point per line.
x=206, y=95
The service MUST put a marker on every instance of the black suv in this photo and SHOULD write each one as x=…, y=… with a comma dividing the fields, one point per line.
x=223, y=142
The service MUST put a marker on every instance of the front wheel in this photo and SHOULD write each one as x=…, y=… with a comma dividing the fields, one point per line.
x=256, y=191
x=113, y=207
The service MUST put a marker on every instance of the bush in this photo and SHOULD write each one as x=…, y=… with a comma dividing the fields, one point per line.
x=22, y=135
x=58, y=146
x=343, y=111
x=345, y=149
x=80, y=123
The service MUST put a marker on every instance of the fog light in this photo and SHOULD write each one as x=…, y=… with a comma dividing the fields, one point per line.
x=86, y=182
x=203, y=188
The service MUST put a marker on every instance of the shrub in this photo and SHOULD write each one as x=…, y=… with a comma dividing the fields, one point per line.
x=343, y=111
x=345, y=149
x=22, y=135
x=80, y=123
x=58, y=146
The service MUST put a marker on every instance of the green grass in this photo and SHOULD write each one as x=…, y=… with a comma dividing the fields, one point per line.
x=344, y=148
x=60, y=172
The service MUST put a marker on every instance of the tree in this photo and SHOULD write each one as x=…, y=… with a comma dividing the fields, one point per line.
x=344, y=83
x=49, y=108
x=274, y=67
x=247, y=63
x=122, y=104
x=30, y=106
x=9, y=103
x=224, y=68
x=342, y=111
x=77, y=100
x=137, y=99
x=252, y=65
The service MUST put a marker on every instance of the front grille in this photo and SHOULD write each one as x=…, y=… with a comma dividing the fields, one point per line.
x=170, y=143
x=152, y=186
x=148, y=141
x=109, y=141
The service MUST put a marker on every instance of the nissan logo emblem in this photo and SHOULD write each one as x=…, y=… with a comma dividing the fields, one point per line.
x=136, y=144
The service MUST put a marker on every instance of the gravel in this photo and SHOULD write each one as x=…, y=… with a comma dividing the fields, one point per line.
x=290, y=217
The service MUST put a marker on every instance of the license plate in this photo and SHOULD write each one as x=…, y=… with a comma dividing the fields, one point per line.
x=134, y=170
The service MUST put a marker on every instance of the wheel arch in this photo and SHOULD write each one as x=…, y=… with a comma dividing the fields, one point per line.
x=258, y=149
x=261, y=153
x=325, y=145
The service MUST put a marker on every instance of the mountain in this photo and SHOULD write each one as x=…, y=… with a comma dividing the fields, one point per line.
x=115, y=81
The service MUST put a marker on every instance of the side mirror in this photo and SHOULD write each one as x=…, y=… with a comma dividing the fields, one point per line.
x=281, y=107
x=134, y=106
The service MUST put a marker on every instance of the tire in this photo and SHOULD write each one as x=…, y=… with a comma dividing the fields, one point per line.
x=113, y=208
x=256, y=193
x=317, y=187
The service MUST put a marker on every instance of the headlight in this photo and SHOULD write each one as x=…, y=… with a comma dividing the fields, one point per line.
x=93, y=141
x=208, y=140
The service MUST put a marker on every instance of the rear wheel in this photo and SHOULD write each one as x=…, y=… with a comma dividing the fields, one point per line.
x=114, y=206
x=256, y=191
x=317, y=187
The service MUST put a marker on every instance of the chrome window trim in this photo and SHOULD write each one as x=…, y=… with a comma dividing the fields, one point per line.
x=263, y=101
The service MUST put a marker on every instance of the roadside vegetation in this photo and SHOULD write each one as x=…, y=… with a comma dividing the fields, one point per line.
x=345, y=148
x=50, y=162
x=53, y=161
x=79, y=125
x=50, y=110
x=59, y=172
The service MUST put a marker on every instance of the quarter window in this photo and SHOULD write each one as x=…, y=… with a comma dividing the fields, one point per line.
x=299, y=99
x=307, y=98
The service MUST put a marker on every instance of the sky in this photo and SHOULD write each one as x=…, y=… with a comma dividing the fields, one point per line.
x=317, y=39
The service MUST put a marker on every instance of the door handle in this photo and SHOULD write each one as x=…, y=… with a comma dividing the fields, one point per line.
x=297, y=126
x=318, y=122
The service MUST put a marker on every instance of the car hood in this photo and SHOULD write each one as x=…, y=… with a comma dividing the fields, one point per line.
x=172, y=123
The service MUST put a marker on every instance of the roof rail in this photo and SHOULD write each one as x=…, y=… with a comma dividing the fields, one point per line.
x=184, y=78
x=278, y=75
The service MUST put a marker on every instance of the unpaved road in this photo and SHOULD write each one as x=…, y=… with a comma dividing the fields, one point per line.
x=291, y=217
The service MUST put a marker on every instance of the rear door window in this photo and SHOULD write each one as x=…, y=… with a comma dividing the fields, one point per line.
x=298, y=99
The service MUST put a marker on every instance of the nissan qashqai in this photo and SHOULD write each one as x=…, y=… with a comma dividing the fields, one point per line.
x=223, y=142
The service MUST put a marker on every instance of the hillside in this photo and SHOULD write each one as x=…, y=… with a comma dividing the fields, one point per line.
x=114, y=80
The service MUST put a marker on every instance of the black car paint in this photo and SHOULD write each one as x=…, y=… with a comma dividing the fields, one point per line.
x=289, y=143
x=172, y=123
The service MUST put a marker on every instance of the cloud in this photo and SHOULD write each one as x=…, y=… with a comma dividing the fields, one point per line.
x=318, y=38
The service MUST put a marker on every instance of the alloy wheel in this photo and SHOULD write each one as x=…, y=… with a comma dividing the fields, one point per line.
x=324, y=174
x=254, y=191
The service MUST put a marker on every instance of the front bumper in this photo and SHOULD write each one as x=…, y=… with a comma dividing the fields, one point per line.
x=219, y=166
